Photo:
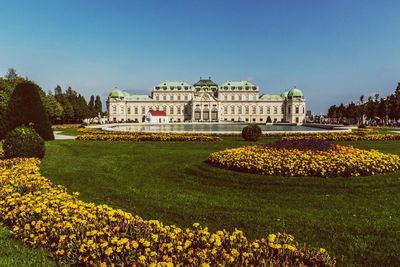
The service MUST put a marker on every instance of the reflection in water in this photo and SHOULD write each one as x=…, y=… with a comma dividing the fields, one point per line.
x=208, y=128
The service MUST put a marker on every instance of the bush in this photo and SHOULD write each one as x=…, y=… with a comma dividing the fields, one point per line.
x=251, y=132
x=23, y=142
x=362, y=126
x=26, y=107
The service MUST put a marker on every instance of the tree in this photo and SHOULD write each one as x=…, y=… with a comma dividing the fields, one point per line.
x=25, y=107
x=362, y=99
x=98, y=107
x=11, y=74
x=53, y=108
x=91, y=107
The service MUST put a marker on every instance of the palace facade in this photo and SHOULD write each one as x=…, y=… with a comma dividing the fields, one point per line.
x=206, y=101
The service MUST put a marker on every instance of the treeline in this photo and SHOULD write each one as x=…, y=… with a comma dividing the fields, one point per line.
x=373, y=111
x=61, y=107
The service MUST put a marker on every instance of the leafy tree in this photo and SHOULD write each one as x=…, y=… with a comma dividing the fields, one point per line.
x=11, y=74
x=53, y=108
x=25, y=107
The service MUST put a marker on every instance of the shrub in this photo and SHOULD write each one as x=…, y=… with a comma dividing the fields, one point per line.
x=23, y=142
x=251, y=132
x=26, y=107
x=362, y=126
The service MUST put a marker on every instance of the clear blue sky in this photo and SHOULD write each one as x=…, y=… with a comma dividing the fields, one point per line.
x=333, y=50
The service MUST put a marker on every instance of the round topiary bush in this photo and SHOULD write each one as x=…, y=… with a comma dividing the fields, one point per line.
x=251, y=132
x=23, y=142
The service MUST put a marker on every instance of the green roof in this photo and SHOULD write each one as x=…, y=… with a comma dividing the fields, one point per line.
x=295, y=92
x=138, y=97
x=238, y=84
x=270, y=97
x=204, y=82
x=285, y=94
x=116, y=93
x=173, y=84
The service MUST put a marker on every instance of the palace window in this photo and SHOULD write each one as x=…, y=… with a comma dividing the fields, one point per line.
x=165, y=109
x=240, y=97
x=233, y=88
x=129, y=110
x=157, y=97
x=239, y=110
x=261, y=110
x=172, y=88
x=232, y=110
x=282, y=110
x=268, y=110
x=178, y=110
x=186, y=97
x=225, y=97
x=136, y=110
x=171, y=110
x=179, y=97
x=186, y=87
x=288, y=110
x=143, y=110
x=240, y=88
x=225, y=110
x=275, y=110
x=122, y=110
x=233, y=97
x=247, y=110
x=179, y=88
x=247, y=97
x=114, y=109
x=157, y=87
x=254, y=110
x=164, y=97
x=297, y=110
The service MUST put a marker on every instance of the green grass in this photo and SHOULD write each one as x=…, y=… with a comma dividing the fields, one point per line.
x=14, y=253
x=356, y=219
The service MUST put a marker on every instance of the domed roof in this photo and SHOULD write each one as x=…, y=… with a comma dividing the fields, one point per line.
x=295, y=92
x=126, y=94
x=285, y=94
x=116, y=93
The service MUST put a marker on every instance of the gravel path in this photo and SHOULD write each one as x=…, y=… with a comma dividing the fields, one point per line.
x=58, y=136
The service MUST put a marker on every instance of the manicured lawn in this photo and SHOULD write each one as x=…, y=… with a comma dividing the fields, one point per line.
x=355, y=219
x=14, y=253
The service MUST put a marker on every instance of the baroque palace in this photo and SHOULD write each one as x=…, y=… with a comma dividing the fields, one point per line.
x=206, y=101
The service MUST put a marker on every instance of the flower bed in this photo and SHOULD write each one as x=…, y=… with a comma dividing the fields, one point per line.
x=346, y=136
x=79, y=233
x=140, y=136
x=336, y=161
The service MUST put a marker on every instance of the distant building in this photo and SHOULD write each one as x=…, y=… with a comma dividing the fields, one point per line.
x=206, y=101
x=156, y=116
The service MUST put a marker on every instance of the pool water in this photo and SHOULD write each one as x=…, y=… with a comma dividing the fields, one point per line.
x=212, y=127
